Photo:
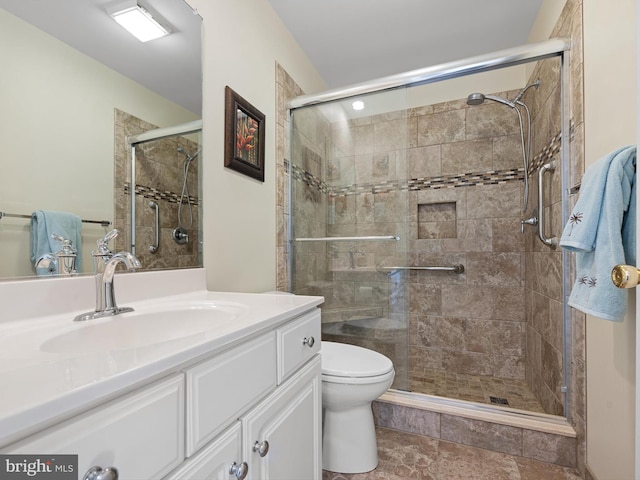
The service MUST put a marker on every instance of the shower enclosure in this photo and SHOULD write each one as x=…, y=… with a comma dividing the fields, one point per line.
x=159, y=218
x=411, y=218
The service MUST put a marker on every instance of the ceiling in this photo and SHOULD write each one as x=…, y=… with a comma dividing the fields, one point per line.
x=170, y=66
x=352, y=41
x=348, y=41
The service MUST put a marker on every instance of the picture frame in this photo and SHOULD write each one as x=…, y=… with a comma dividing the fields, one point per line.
x=244, y=136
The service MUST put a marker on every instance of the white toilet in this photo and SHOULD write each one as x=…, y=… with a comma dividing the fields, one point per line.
x=352, y=378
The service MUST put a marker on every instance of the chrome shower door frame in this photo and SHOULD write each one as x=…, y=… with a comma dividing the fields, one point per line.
x=156, y=134
x=557, y=47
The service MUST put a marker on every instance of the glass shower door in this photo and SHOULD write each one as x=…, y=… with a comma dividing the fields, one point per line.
x=350, y=223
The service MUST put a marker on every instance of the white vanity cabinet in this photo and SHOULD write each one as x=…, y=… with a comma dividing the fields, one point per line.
x=282, y=434
x=140, y=434
x=250, y=409
x=277, y=437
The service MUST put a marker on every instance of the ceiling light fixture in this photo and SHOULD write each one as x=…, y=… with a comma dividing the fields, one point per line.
x=137, y=20
x=358, y=105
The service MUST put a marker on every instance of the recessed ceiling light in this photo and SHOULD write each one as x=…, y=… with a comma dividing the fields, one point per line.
x=137, y=20
x=358, y=105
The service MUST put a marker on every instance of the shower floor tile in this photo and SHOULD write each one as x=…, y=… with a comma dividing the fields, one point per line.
x=475, y=388
x=408, y=456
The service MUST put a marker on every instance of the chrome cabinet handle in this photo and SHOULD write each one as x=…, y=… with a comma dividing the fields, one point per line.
x=625, y=276
x=261, y=448
x=309, y=341
x=97, y=473
x=240, y=471
x=154, y=248
x=553, y=241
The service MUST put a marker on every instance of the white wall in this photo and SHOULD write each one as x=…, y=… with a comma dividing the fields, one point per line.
x=610, y=82
x=56, y=132
x=242, y=42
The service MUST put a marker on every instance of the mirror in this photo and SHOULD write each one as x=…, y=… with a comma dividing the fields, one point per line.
x=71, y=74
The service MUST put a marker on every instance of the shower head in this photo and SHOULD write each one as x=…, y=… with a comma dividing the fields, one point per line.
x=475, y=99
x=479, y=98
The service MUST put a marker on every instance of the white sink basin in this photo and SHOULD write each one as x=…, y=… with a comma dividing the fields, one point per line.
x=143, y=328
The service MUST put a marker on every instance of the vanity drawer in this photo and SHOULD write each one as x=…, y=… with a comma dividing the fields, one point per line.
x=298, y=341
x=140, y=434
x=219, y=390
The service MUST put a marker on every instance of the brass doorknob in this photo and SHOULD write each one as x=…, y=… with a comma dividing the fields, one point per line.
x=625, y=276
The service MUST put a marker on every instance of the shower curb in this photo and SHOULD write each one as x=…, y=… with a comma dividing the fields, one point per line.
x=536, y=436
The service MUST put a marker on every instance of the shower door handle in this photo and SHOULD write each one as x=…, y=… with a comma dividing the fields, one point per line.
x=154, y=248
x=553, y=241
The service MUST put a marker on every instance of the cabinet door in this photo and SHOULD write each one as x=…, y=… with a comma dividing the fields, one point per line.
x=140, y=434
x=290, y=422
x=222, y=388
x=214, y=461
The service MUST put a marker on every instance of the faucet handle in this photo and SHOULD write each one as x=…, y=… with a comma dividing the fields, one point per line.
x=67, y=245
x=108, y=237
x=103, y=249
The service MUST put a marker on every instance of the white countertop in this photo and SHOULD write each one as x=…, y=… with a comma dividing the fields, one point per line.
x=42, y=385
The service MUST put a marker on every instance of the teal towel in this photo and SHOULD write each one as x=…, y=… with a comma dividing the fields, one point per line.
x=602, y=232
x=46, y=222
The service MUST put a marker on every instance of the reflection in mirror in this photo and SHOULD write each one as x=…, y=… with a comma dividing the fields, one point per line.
x=167, y=183
x=66, y=111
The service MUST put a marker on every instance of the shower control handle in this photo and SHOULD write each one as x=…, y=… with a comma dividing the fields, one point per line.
x=261, y=448
x=625, y=276
x=309, y=341
x=529, y=221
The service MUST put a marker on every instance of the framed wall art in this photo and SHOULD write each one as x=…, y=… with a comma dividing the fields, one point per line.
x=244, y=136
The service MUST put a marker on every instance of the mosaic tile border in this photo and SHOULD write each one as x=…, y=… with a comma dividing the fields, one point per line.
x=548, y=152
x=470, y=179
x=155, y=194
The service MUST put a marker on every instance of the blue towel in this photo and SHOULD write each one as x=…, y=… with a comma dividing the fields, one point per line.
x=602, y=232
x=46, y=222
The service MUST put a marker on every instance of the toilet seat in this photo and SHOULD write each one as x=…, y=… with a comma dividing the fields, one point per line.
x=344, y=363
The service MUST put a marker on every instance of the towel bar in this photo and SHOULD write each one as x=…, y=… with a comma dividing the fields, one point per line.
x=104, y=223
x=347, y=239
x=458, y=268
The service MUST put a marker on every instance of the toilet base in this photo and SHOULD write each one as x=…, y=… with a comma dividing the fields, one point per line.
x=349, y=440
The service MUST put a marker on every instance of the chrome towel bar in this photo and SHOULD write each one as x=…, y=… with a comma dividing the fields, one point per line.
x=348, y=239
x=458, y=268
x=104, y=223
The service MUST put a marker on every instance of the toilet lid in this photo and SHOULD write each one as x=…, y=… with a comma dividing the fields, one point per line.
x=343, y=360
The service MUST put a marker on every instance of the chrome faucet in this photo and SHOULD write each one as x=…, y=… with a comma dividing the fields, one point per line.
x=352, y=261
x=105, y=293
x=49, y=262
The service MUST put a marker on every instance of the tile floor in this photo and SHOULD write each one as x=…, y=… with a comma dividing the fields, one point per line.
x=474, y=388
x=404, y=456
